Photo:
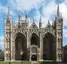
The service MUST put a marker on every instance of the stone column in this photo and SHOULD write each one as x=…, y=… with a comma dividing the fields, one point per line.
x=28, y=45
x=58, y=48
x=28, y=41
x=41, y=48
x=12, y=50
x=30, y=55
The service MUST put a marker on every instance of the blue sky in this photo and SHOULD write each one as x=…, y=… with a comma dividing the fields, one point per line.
x=35, y=8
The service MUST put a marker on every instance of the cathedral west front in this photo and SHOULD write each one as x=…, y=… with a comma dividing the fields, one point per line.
x=24, y=42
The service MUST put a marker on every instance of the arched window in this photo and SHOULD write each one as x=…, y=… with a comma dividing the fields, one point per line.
x=35, y=40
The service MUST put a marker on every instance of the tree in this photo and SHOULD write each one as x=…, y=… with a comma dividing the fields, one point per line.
x=1, y=55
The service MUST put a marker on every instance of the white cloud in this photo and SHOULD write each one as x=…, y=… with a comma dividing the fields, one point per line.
x=45, y=21
x=63, y=9
x=37, y=17
x=64, y=37
x=4, y=9
x=1, y=38
x=49, y=9
x=65, y=33
x=1, y=42
x=2, y=45
x=47, y=12
x=26, y=4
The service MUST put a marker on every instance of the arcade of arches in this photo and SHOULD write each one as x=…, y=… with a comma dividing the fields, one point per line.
x=21, y=52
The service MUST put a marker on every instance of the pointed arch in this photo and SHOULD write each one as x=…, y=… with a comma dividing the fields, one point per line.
x=35, y=40
x=20, y=47
x=49, y=47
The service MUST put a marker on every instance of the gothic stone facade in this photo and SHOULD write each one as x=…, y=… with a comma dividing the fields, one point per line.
x=24, y=42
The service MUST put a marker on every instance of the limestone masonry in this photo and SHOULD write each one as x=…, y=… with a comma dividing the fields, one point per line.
x=24, y=42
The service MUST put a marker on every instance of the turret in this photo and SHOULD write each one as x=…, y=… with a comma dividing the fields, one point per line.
x=26, y=16
x=20, y=18
x=59, y=15
x=59, y=35
x=27, y=20
x=9, y=20
x=4, y=19
x=7, y=36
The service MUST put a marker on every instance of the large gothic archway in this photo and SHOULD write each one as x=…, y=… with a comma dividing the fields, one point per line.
x=20, y=47
x=49, y=47
x=35, y=44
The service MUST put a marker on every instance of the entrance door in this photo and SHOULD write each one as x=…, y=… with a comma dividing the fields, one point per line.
x=34, y=57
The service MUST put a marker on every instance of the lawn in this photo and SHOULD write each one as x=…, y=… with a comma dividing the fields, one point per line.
x=28, y=62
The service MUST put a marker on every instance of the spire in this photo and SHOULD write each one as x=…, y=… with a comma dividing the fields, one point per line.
x=26, y=16
x=40, y=23
x=8, y=13
x=48, y=22
x=59, y=14
x=48, y=25
x=4, y=19
x=20, y=17
x=33, y=22
x=27, y=20
x=58, y=10
x=9, y=16
x=40, y=20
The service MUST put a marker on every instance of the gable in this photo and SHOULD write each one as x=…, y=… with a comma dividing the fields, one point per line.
x=33, y=25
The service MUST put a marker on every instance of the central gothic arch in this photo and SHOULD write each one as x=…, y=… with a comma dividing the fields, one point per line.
x=20, y=47
x=35, y=44
x=49, y=47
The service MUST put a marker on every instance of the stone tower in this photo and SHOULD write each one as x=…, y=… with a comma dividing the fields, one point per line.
x=29, y=42
x=59, y=35
x=7, y=36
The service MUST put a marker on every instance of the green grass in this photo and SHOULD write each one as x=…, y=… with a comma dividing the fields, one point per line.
x=28, y=62
x=24, y=62
x=47, y=63
x=4, y=62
